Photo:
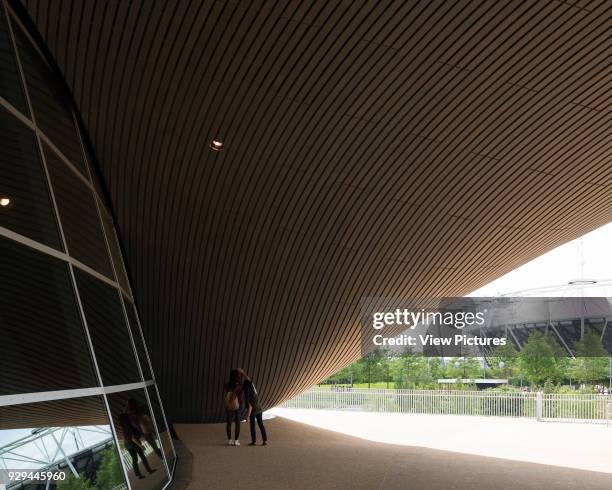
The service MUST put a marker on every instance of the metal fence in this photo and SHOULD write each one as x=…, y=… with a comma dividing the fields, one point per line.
x=544, y=407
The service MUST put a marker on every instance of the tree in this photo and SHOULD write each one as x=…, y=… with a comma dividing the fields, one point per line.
x=463, y=368
x=542, y=358
x=342, y=376
x=506, y=354
x=549, y=386
x=436, y=368
x=591, y=359
x=373, y=366
x=411, y=371
x=73, y=483
x=397, y=371
x=109, y=473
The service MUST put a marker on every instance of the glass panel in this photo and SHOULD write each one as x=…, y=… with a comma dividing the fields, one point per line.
x=78, y=215
x=115, y=251
x=108, y=331
x=50, y=102
x=164, y=433
x=10, y=81
x=28, y=210
x=93, y=172
x=140, y=449
x=66, y=440
x=42, y=342
x=138, y=341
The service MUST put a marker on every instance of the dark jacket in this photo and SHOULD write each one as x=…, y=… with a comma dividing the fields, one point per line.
x=250, y=395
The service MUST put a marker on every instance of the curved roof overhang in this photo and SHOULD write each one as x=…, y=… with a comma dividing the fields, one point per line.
x=370, y=149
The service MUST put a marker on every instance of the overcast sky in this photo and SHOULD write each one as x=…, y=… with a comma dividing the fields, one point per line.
x=588, y=257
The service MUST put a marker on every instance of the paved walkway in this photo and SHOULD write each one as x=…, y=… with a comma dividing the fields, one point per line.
x=304, y=457
x=570, y=445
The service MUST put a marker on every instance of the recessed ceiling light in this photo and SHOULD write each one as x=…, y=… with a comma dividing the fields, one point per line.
x=5, y=201
x=582, y=282
x=216, y=145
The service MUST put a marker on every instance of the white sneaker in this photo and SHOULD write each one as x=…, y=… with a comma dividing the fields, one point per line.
x=230, y=442
x=236, y=442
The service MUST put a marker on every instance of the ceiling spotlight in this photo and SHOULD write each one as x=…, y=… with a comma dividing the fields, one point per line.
x=582, y=282
x=216, y=145
x=5, y=201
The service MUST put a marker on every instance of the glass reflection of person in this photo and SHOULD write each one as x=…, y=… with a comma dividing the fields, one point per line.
x=131, y=441
x=143, y=424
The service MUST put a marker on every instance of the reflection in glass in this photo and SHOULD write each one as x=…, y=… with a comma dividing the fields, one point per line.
x=42, y=344
x=96, y=176
x=47, y=205
x=138, y=341
x=78, y=215
x=135, y=428
x=164, y=433
x=108, y=330
x=50, y=102
x=10, y=83
x=115, y=251
x=65, y=441
x=23, y=181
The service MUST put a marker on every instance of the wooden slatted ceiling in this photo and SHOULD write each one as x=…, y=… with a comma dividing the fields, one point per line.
x=372, y=148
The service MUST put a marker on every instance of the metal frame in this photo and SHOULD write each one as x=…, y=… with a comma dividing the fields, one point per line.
x=62, y=236
x=124, y=311
x=552, y=325
x=45, y=396
x=71, y=263
x=560, y=288
x=50, y=458
x=24, y=240
x=99, y=208
x=567, y=348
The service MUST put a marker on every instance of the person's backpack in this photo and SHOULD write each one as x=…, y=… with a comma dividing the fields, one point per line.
x=231, y=401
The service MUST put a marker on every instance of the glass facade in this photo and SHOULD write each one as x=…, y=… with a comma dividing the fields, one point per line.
x=78, y=399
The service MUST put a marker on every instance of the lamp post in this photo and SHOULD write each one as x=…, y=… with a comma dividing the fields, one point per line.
x=502, y=365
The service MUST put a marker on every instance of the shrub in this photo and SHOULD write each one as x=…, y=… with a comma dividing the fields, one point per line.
x=73, y=483
x=109, y=473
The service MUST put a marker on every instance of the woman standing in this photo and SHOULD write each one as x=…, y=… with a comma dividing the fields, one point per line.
x=254, y=411
x=131, y=441
x=144, y=424
x=233, y=398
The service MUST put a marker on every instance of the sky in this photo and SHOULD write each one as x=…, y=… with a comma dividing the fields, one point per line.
x=588, y=257
x=90, y=435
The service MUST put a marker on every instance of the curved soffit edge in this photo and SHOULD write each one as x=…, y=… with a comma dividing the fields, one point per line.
x=371, y=148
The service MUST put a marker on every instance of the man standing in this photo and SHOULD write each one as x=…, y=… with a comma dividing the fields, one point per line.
x=253, y=409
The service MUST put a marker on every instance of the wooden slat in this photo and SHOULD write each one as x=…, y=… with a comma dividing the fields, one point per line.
x=372, y=148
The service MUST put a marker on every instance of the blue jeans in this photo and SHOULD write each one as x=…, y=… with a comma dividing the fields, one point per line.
x=262, y=429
